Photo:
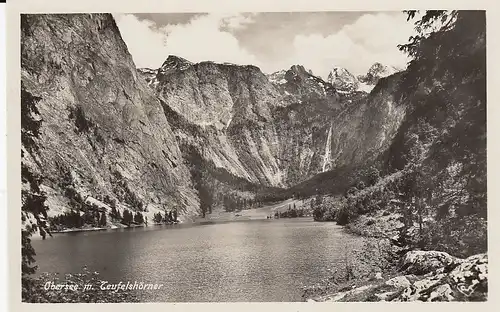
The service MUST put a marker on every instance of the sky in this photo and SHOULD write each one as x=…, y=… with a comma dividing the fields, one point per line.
x=272, y=41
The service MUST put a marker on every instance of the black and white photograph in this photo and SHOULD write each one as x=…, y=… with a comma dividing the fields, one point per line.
x=316, y=156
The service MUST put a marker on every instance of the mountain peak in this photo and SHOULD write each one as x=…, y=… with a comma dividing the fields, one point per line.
x=298, y=68
x=297, y=72
x=343, y=80
x=175, y=62
x=277, y=77
x=377, y=71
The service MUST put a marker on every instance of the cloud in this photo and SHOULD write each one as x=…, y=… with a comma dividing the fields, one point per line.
x=205, y=37
x=371, y=38
x=237, y=21
x=146, y=45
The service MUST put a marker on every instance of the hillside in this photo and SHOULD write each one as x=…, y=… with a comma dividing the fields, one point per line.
x=396, y=155
x=277, y=130
x=103, y=132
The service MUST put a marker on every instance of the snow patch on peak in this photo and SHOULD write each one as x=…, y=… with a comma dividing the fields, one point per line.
x=277, y=77
x=149, y=75
x=342, y=80
x=380, y=70
x=364, y=87
x=376, y=72
x=147, y=71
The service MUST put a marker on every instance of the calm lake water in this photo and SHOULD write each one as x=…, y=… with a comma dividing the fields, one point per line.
x=268, y=260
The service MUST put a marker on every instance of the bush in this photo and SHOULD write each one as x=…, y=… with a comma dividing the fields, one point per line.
x=351, y=191
x=361, y=185
x=372, y=175
x=115, y=213
x=157, y=218
x=127, y=217
x=103, y=220
x=460, y=237
x=71, y=219
x=343, y=217
x=138, y=218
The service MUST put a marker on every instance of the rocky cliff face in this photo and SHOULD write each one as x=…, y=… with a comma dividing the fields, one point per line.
x=103, y=132
x=376, y=72
x=109, y=130
x=227, y=114
x=276, y=130
x=343, y=80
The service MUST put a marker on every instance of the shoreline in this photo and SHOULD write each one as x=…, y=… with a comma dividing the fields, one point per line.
x=255, y=214
x=97, y=229
x=386, y=274
x=188, y=223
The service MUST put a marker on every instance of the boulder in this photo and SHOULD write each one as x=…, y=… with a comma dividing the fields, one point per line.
x=398, y=282
x=422, y=262
x=467, y=281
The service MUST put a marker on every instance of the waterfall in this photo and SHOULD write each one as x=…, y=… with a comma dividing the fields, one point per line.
x=328, y=148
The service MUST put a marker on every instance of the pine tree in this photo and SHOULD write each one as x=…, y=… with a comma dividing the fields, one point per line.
x=103, y=220
x=114, y=214
x=118, y=215
x=138, y=218
x=32, y=197
x=157, y=217
x=127, y=217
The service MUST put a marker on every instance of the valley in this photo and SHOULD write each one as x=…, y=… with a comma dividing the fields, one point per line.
x=396, y=156
x=258, y=213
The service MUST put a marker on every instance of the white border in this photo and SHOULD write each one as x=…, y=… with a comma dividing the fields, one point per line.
x=3, y=160
x=143, y=6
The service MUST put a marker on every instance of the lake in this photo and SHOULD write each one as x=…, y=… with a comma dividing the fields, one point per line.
x=259, y=260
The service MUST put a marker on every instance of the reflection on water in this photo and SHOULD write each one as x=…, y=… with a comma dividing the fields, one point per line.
x=268, y=260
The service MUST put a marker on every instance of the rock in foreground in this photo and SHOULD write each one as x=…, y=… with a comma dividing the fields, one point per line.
x=449, y=279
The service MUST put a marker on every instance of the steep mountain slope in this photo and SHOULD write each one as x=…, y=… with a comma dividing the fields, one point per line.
x=230, y=108
x=433, y=172
x=233, y=108
x=106, y=135
x=376, y=72
x=328, y=135
x=103, y=133
x=277, y=130
x=343, y=80
x=407, y=159
x=442, y=141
